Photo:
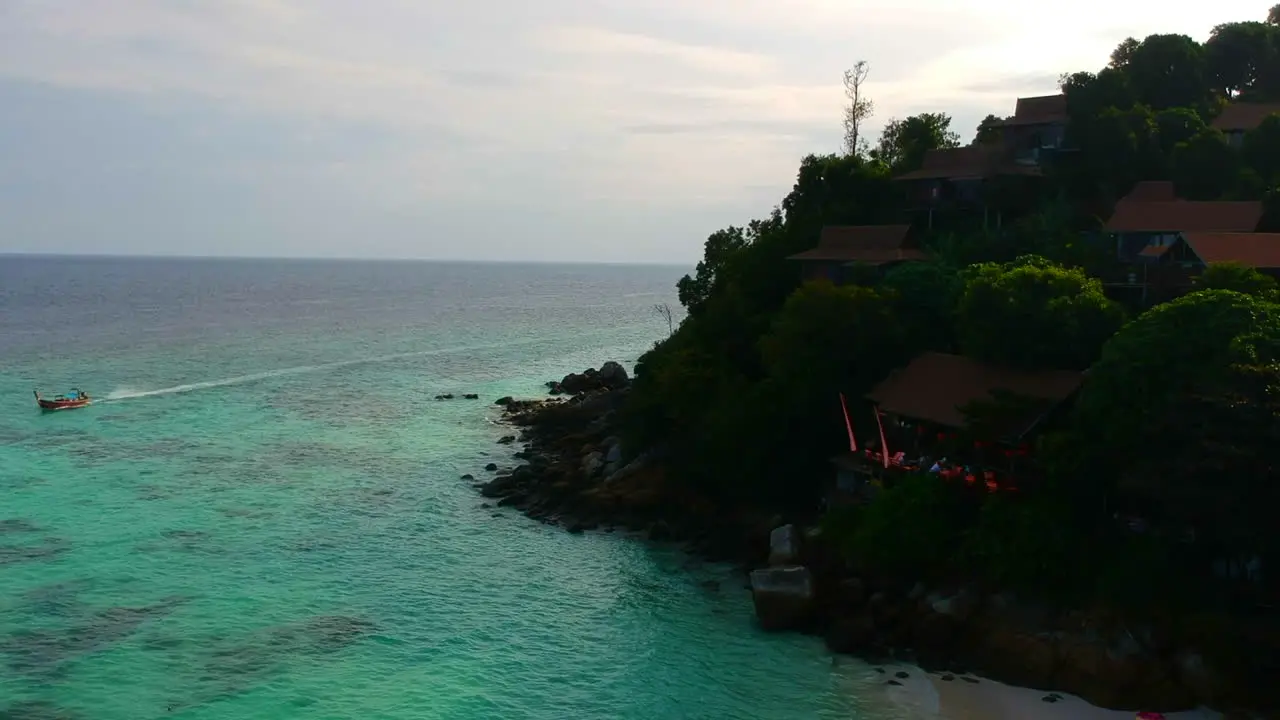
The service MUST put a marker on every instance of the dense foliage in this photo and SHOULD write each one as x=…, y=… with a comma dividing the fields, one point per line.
x=1178, y=411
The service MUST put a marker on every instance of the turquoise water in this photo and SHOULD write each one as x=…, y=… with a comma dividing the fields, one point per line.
x=264, y=519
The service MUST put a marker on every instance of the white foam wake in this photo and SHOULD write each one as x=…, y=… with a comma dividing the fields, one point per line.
x=126, y=393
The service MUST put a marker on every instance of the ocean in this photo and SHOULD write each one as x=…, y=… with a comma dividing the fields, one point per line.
x=263, y=515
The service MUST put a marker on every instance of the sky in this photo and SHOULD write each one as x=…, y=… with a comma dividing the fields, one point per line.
x=555, y=130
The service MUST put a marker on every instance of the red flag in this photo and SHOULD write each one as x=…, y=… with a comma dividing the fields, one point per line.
x=884, y=447
x=853, y=444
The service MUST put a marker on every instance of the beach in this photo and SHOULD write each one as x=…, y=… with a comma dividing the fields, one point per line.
x=922, y=695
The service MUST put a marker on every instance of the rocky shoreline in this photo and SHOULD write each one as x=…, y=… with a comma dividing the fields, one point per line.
x=575, y=473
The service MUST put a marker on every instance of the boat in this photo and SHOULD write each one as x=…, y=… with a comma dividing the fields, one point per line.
x=76, y=398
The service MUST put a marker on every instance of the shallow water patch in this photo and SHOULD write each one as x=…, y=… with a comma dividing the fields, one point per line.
x=17, y=525
x=190, y=541
x=37, y=710
x=46, y=653
x=60, y=599
x=46, y=549
x=228, y=668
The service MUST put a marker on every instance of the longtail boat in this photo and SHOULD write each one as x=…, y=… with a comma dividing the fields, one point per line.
x=73, y=399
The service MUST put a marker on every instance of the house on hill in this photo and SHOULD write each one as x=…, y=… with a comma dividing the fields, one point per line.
x=942, y=405
x=1037, y=129
x=1239, y=118
x=842, y=247
x=945, y=393
x=1155, y=234
x=1194, y=251
x=962, y=179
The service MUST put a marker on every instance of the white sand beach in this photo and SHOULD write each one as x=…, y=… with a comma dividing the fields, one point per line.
x=926, y=696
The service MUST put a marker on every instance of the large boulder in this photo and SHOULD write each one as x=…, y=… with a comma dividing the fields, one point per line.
x=783, y=597
x=592, y=464
x=613, y=376
x=784, y=548
x=575, y=383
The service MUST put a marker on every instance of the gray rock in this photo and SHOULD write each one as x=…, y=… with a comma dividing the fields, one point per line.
x=592, y=464
x=783, y=597
x=613, y=375
x=783, y=548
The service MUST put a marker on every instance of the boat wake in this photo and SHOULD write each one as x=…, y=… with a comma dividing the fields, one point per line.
x=126, y=393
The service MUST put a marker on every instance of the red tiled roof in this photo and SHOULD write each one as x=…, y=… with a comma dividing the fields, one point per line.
x=871, y=244
x=1244, y=116
x=967, y=162
x=1256, y=250
x=935, y=386
x=1184, y=216
x=1042, y=110
x=1152, y=191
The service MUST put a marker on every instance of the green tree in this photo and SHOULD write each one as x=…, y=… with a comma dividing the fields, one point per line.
x=1031, y=313
x=694, y=290
x=1119, y=148
x=1029, y=544
x=1123, y=53
x=925, y=296
x=1168, y=71
x=1261, y=150
x=1088, y=94
x=1239, y=278
x=903, y=143
x=1175, y=126
x=989, y=131
x=1240, y=57
x=1205, y=166
x=1146, y=368
x=912, y=530
x=826, y=339
x=1210, y=462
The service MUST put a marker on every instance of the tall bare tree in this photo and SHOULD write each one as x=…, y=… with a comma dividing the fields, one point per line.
x=664, y=311
x=859, y=107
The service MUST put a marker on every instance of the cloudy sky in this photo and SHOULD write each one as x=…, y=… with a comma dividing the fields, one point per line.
x=593, y=130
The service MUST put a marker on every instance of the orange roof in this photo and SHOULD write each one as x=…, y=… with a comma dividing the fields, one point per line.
x=1184, y=216
x=1041, y=110
x=935, y=386
x=871, y=244
x=1256, y=250
x=966, y=162
x=1238, y=117
x=1152, y=191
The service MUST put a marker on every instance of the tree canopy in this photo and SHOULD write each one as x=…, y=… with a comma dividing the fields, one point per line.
x=903, y=143
x=1033, y=314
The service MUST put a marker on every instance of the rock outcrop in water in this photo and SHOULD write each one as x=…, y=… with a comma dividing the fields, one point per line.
x=576, y=472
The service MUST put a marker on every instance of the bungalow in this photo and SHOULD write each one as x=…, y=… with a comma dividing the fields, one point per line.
x=1194, y=251
x=841, y=247
x=962, y=178
x=968, y=410
x=1151, y=214
x=1150, y=220
x=948, y=393
x=1037, y=129
x=1239, y=118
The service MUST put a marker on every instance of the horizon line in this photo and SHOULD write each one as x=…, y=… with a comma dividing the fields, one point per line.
x=304, y=258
